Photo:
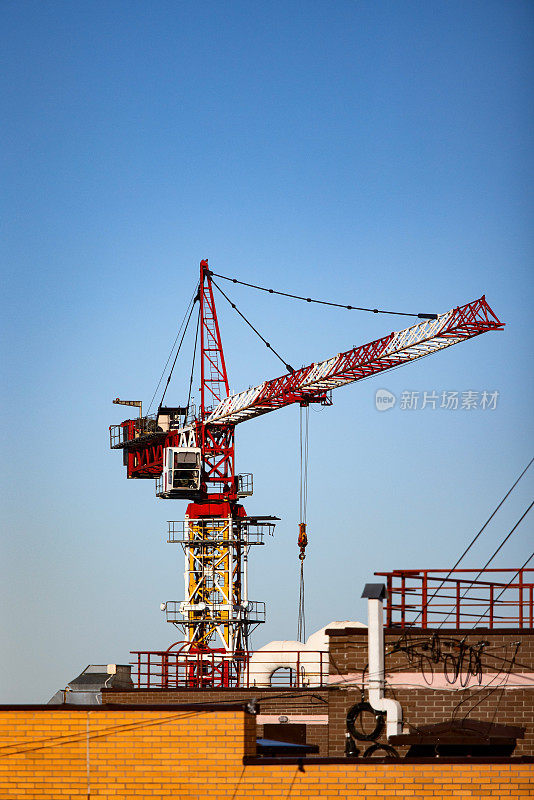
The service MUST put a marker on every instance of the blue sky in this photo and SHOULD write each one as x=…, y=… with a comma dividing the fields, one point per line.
x=373, y=153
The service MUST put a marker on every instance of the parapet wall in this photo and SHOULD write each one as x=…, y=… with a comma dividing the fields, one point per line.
x=300, y=706
x=197, y=753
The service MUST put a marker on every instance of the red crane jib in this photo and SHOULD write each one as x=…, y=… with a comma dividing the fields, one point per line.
x=143, y=448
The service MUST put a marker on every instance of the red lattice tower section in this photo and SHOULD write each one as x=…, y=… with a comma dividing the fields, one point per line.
x=217, y=441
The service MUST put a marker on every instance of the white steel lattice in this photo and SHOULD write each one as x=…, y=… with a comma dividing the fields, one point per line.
x=309, y=384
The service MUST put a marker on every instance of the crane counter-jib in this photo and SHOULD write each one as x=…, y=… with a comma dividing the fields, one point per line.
x=309, y=384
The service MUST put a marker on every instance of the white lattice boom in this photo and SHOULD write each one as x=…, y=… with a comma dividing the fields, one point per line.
x=309, y=384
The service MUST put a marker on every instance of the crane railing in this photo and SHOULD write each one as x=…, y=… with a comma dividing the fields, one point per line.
x=504, y=598
x=133, y=430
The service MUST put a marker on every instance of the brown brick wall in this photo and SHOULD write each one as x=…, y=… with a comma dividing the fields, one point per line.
x=270, y=701
x=348, y=652
x=348, y=655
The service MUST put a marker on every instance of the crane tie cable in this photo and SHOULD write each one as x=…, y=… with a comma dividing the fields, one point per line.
x=192, y=368
x=178, y=351
x=322, y=302
x=265, y=342
x=191, y=302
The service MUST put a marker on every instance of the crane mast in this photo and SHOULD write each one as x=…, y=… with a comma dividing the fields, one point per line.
x=194, y=459
x=216, y=534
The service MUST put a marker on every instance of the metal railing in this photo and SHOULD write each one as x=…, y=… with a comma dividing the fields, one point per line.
x=222, y=613
x=428, y=598
x=245, y=484
x=182, y=668
x=244, y=532
x=132, y=429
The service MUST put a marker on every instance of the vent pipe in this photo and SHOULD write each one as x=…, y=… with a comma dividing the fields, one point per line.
x=375, y=594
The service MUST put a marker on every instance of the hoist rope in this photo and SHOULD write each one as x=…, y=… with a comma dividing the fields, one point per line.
x=266, y=343
x=304, y=430
x=324, y=302
x=304, y=418
x=177, y=352
x=190, y=304
x=301, y=626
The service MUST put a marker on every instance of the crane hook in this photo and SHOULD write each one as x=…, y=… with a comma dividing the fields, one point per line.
x=302, y=540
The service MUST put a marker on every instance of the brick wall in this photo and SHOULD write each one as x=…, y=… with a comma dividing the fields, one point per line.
x=195, y=753
x=348, y=657
x=348, y=647
x=496, y=702
x=274, y=702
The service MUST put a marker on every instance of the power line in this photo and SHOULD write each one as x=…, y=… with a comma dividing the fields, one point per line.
x=324, y=302
x=468, y=548
x=488, y=562
x=531, y=556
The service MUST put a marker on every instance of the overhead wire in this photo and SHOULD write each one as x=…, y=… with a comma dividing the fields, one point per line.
x=487, y=688
x=511, y=662
x=510, y=582
x=475, y=538
x=324, y=302
x=488, y=562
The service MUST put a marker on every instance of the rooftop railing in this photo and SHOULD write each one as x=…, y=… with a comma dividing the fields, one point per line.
x=461, y=598
x=177, y=669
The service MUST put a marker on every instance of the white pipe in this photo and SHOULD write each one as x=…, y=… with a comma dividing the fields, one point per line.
x=376, y=682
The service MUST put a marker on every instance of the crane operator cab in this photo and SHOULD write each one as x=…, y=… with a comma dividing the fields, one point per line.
x=181, y=472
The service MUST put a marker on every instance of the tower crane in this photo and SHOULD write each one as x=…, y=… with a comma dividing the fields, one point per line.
x=192, y=457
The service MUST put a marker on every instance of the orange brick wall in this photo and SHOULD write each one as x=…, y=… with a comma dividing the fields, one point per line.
x=185, y=753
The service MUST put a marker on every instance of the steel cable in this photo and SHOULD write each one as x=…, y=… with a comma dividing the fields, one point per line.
x=192, y=367
x=256, y=331
x=177, y=353
x=303, y=539
x=324, y=302
x=488, y=562
x=191, y=302
x=468, y=548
